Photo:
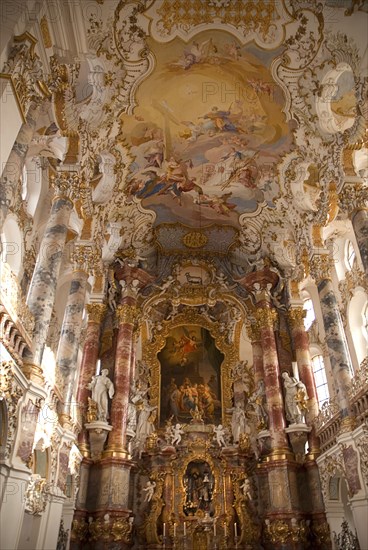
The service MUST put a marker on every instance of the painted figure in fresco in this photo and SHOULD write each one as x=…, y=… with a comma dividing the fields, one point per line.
x=219, y=203
x=174, y=400
x=293, y=409
x=102, y=387
x=207, y=401
x=220, y=120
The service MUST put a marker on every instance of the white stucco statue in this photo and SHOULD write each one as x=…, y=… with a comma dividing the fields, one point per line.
x=149, y=489
x=238, y=422
x=145, y=422
x=245, y=487
x=102, y=387
x=220, y=433
x=176, y=434
x=295, y=398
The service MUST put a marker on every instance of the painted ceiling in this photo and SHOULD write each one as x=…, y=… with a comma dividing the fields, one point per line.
x=213, y=128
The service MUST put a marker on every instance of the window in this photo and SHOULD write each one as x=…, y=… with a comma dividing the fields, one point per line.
x=320, y=379
x=24, y=183
x=310, y=316
x=350, y=255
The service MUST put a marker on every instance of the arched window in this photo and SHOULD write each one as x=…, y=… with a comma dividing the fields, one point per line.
x=365, y=321
x=350, y=255
x=310, y=315
x=320, y=379
x=24, y=183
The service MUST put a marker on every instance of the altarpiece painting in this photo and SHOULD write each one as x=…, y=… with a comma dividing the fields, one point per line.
x=190, y=380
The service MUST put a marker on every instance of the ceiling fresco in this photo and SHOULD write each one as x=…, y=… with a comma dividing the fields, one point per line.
x=219, y=129
x=208, y=132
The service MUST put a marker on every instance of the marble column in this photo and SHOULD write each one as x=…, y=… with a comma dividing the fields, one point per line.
x=9, y=180
x=67, y=354
x=255, y=337
x=353, y=203
x=360, y=225
x=41, y=295
x=114, y=467
x=126, y=313
x=301, y=345
x=334, y=330
x=96, y=313
x=265, y=319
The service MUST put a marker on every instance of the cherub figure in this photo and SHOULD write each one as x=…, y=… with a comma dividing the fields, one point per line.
x=220, y=433
x=149, y=489
x=176, y=434
x=245, y=487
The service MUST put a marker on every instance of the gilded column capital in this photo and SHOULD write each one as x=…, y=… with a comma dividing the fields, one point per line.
x=85, y=257
x=320, y=267
x=253, y=332
x=353, y=197
x=127, y=313
x=24, y=70
x=96, y=312
x=296, y=317
x=265, y=318
x=66, y=185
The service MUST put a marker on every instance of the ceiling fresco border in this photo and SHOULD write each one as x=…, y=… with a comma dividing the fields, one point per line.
x=246, y=21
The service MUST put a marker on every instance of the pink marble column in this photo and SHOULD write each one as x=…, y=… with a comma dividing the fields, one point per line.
x=133, y=279
x=126, y=314
x=96, y=313
x=301, y=346
x=255, y=337
x=265, y=319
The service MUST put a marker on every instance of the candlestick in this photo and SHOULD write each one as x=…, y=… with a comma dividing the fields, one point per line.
x=164, y=529
x=174, y=530
x=185, y=529
x=225, y=527
x=214, y=529
x=235, y=530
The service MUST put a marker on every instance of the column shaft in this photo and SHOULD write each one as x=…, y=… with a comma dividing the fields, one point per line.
x=70, y=335
x=123, y=362
x=265, y=320
x=303, y=359
x=254, y=336
x=336, y=343
x=12, y=172
x=42, y=289
x=91, y=348
x=360, y=226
